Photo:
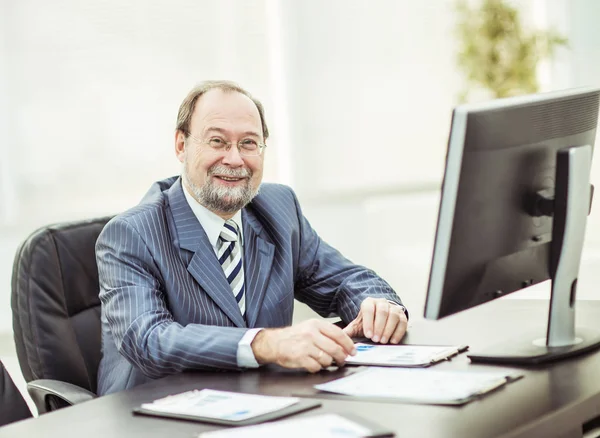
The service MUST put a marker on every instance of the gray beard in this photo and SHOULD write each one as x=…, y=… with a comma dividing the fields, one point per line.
x=222, y=199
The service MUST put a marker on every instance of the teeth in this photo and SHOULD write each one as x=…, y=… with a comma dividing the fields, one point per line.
x=229, y=179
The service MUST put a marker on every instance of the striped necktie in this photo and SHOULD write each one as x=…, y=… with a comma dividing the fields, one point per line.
x=230, y=258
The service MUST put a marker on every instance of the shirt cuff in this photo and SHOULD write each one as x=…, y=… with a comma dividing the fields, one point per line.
x=245, y=355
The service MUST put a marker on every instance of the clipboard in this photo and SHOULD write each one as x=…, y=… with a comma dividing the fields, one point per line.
x=416, y=385
x=300, y=405
x=406, y=356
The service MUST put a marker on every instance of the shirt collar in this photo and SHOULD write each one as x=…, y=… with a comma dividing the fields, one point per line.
x=211, y=222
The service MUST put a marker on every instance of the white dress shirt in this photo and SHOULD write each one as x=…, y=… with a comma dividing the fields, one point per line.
x=213, y=224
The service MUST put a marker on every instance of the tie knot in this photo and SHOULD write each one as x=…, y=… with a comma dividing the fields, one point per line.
x=229, y=233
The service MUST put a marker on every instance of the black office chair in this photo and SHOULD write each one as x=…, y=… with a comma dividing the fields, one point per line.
x=12, y=405
x=56, y=313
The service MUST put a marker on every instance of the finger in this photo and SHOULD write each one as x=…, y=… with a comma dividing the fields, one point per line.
x=381, y=316
x=400, y=330
x=367, y=309
x=334, y=350
x=311, y=365
x=352, y=329
x=390, y=325
x=324, y=359
x=338, y=336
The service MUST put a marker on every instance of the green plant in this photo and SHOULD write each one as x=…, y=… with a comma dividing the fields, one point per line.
x=496, y=53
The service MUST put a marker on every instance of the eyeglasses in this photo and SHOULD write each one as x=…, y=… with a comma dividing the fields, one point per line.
x=247, y=147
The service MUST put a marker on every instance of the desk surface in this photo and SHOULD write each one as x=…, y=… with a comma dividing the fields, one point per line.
x=552, y=400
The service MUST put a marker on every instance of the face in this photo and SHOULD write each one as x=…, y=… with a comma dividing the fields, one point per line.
x=225, y=181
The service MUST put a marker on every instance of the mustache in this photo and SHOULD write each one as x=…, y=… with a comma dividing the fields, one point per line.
x=227, y=171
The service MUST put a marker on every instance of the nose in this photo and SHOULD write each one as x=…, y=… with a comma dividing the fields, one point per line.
x=232, y=157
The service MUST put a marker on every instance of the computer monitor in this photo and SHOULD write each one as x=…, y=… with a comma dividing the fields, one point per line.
x=514, y=205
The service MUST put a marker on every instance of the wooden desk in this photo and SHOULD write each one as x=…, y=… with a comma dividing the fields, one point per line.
x=553, y=400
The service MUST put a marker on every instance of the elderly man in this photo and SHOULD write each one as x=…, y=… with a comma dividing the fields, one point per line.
x=203, y=273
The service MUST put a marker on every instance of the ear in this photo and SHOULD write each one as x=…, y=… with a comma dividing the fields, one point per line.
x=180, y=145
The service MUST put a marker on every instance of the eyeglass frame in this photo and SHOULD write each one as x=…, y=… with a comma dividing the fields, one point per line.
x=228, y=145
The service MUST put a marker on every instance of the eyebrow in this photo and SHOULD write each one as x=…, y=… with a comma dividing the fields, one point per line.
x=224, y=131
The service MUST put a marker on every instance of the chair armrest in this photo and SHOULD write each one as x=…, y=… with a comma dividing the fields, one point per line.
x=44, y=389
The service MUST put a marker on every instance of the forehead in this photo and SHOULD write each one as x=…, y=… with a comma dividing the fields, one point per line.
x=228, y=110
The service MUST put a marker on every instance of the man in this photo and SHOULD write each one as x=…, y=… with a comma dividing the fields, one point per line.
x=202, y=274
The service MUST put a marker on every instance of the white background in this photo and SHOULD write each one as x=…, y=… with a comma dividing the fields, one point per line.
x=358, y=95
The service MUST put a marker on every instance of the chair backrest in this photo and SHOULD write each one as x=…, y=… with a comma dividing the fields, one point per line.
x=55, y=304
x=12, y=404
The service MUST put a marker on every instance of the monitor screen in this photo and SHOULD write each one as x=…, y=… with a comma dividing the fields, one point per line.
x=516, y=170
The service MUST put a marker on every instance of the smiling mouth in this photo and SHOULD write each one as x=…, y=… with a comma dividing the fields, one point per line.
x=229, y=178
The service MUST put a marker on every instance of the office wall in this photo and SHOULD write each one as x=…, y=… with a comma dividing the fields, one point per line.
x=371, y=92
x=91, y=90
x=89, y=97
x=358, y=95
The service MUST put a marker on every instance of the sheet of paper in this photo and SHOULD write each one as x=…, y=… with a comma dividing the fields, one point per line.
x=318, y=426
x=220, y=404
x=417, y=385
x=400, y=355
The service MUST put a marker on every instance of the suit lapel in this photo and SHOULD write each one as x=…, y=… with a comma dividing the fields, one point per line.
x=204, y=266
x=258, y=259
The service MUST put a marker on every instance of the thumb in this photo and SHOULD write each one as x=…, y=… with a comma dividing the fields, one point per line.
x=351, y=329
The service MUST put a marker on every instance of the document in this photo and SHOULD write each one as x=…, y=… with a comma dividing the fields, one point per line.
x=224, y=407
x=425, y=386
x=402, y=355
x=318, y=426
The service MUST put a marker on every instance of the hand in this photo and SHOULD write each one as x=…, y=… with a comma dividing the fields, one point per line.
x=312, y=345
x=378, y=320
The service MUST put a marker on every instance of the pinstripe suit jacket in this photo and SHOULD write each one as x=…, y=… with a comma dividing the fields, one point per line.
x=167, y=306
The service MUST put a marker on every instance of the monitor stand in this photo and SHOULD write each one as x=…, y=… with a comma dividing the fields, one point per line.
x=569, y=208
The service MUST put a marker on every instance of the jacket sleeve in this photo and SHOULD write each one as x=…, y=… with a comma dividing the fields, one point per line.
x=134, y=307
x=330, y=283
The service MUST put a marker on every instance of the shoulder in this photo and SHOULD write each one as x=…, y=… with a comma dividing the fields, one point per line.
x=274, y=193
x=275, y=208
x=147, y=215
